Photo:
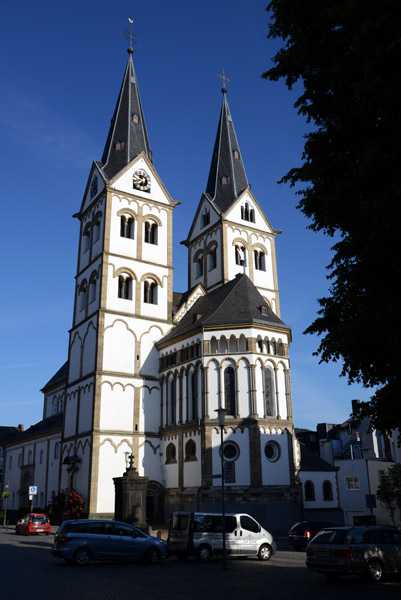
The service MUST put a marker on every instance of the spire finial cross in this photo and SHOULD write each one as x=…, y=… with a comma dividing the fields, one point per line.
x=224, y=79
x=130, y=35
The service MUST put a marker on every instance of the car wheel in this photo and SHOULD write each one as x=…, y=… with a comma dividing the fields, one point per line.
x=375, y=570
x=152, y=556
x=265, y=552
x=204, y=553
x=82, y=557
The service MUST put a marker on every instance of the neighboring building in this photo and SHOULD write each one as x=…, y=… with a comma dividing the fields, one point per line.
x=147, y=368
x=360, y=455
x=320, y=494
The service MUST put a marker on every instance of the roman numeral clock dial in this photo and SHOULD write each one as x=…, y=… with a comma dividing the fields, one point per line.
x=141, y=181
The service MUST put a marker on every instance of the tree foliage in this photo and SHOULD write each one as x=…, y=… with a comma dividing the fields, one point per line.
x=389, y=490
x=346, y=53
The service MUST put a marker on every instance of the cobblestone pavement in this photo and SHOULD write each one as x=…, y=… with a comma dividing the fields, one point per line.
x=30, y=572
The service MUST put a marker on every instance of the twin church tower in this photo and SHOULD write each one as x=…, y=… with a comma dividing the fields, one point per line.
x=148, y=367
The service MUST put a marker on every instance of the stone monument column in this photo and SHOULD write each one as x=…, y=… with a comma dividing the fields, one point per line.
x=130, y=496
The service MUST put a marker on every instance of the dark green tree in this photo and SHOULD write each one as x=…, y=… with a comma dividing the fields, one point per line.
x=389, y=490
x=347, y=53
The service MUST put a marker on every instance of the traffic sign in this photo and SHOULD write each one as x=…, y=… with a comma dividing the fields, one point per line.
x=33, y=489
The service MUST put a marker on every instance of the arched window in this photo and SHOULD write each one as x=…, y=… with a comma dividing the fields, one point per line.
x=173, y=397
x=236, y=154
x=260, y=345
x=309, y=491
x=212, y=259
x=224, y=180
x=223, y=344
x=247, y=213
x=194, y=394
x=240, y=257
x=127, y=227
x=270, y=403
x=151, y=232
x=232, y=344
x=190, y=451
x=82, y=295
x=259, y=257
x=171, y=455
x=92, y=288
x=229, y=390
x=125, y=286
x=135, y=118
x=56, y=450
x=280, y=348
x=96, y=229
x=199, y=266
x=119, y=145
x=150, y=292
x=213, y=345
x=327, y=490
x=86, y=238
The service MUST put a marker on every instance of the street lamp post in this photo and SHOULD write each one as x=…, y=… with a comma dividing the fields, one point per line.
x=5, y=503
x=221, y=415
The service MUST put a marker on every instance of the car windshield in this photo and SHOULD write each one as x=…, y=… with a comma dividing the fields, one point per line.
x=39, y=519
x=330, y=536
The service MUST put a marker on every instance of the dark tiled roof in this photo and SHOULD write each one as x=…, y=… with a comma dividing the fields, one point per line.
x=58, y=377
x=236, y=302
x=225, y=164
x=134, y=136
x=313, y=462
x=8, y=433
x=42, y=428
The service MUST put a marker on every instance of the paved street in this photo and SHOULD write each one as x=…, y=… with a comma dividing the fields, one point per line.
x=29, y=572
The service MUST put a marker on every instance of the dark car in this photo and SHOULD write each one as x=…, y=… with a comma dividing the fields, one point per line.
x=301, y=533
x=81, y=541
x=33, y=523
x=370, y=551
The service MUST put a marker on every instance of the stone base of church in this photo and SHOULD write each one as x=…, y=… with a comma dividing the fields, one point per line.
x=276, y=508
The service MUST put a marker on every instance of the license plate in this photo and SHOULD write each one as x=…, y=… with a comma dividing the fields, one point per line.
x=322, y=553
x=38, y=530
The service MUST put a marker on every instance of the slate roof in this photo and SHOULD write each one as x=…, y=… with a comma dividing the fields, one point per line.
x=225, y=164
x=44, y=427
x=235, y=302
x=133, y=136
x=313, y=462
x=58, y=377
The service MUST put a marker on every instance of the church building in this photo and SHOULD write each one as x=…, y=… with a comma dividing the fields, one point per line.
x=148, y=367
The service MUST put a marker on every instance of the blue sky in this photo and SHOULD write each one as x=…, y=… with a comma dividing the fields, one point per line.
x=60, y=75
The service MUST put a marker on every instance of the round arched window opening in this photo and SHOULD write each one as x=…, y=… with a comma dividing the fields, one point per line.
x=272, y=451
x=230, y=451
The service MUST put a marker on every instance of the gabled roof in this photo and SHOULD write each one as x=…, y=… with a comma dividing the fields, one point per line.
x=226, y=162
x=235, y=302
x=313, y=462
x=132, y=135
x=46, y=426
x=58, y=377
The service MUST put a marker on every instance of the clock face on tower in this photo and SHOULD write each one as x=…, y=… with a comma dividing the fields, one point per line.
x=141, y=181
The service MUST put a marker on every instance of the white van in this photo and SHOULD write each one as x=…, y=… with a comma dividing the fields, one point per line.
x=201, y=535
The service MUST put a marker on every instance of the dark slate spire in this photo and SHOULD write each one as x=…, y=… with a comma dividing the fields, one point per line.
x=227, y=177
x=127, y=135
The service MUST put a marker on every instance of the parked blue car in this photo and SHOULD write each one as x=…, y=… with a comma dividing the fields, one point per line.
x=81, y=541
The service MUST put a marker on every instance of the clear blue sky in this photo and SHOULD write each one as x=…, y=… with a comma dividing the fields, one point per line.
x=61, y=69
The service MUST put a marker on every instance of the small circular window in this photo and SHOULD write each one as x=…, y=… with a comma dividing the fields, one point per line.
x=230, y=451
x=272, y=451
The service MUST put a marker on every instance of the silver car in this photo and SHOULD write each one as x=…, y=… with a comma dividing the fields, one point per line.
x=370, y=551
x=81, y=541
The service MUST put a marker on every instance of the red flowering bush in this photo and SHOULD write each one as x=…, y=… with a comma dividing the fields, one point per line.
x=75, y=504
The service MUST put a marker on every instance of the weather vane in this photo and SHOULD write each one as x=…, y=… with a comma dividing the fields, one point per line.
x=224, y=79
x=130, y=35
